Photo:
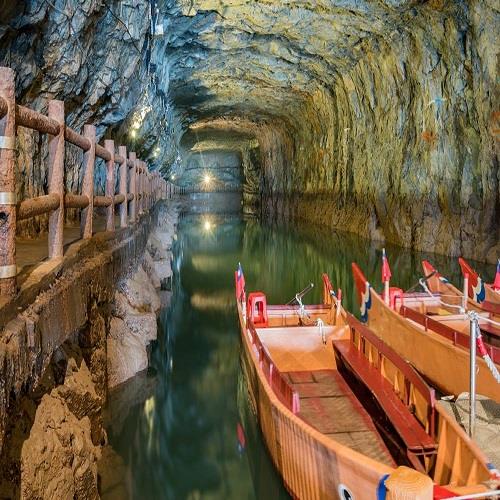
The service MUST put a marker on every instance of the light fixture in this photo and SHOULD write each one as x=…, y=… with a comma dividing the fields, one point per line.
x=172, y=177
x=133, y=133
x=207, y=179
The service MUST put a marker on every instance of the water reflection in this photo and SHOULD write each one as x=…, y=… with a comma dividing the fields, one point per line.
x=178, y=434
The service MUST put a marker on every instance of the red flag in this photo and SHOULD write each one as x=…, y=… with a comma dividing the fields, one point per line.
x=496, y=283
x=240, y=282
x=386, y=270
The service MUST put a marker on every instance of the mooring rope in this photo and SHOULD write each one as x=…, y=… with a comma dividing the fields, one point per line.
x=308, y=321
x=474, y=318
x=438, y=297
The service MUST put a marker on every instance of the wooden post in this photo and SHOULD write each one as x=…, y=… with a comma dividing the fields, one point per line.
x=56, y=180
x=109, y=145
x=146, y=194
x=8, y=269
x=133, y=187
x=141, y=188
x=149, y=188
x=122, y=151
x=86, y=228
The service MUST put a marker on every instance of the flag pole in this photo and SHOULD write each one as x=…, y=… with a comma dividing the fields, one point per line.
x=386, y=282
x=466, y=291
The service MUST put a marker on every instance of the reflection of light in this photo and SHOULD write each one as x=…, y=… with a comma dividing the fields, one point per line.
x=208, y=225
x=207, y=179
x=149, y=408
x=221, y=301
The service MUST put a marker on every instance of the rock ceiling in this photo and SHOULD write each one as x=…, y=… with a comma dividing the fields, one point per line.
x=261, y=60
x=376, y=107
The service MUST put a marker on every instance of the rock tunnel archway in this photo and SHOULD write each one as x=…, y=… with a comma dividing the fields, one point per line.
x=377, y=117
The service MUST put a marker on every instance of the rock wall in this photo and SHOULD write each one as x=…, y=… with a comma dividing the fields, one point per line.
x=375, y=117
x=136, y=303
x=99, y=58
x=404, y=146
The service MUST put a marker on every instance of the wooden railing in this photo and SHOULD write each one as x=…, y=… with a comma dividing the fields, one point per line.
x=139, y=189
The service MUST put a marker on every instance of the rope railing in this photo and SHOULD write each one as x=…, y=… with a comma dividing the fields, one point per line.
x=139, y=188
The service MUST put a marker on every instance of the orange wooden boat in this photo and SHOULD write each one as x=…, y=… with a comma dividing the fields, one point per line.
x=424, y=330
x=481, y=296
x=476, y=284
x=323, y=441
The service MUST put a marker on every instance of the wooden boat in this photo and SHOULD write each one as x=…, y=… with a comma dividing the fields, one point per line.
x=478, y=290
x=323, y=441
x=448, y=305
x=429, y=335
x=481, y=297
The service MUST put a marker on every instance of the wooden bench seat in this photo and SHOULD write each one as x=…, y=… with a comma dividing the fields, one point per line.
x=404, y=422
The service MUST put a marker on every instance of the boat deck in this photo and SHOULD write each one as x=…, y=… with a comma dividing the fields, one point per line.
x=326, y=401
x=328, y=405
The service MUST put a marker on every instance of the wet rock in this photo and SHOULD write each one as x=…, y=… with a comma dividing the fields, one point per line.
x=127, y=354
x=149, y=266
x=141, y=293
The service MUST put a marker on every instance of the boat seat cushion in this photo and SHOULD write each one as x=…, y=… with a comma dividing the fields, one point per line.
x=405, y=423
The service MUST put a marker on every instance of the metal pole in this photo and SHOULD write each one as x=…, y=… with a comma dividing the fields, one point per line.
x=472, y=369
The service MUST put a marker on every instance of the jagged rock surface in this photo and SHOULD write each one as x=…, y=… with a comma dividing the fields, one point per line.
x=133, y=325
x=54, y=444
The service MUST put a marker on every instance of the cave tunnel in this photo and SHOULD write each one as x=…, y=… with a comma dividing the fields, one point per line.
x=159, y=158
x=376, y=117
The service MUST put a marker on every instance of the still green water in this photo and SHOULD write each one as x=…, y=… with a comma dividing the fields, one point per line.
x=176, y=427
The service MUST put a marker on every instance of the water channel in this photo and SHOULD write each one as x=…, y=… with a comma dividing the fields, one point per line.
x=178, y=427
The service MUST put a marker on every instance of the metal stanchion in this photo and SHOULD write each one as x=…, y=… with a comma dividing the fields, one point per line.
x=474, y=325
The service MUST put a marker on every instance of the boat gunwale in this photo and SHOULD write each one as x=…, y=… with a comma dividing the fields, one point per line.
x=456, y=337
